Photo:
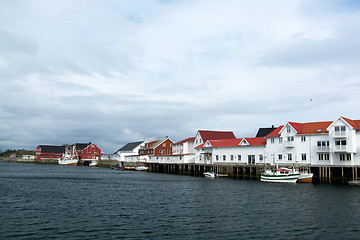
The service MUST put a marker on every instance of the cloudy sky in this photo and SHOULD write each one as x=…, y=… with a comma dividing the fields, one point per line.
x=116, y=71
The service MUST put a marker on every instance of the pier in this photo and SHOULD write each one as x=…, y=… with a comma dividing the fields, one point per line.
x=322, y=174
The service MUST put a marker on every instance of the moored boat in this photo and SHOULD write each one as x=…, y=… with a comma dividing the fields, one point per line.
x=282, y=175
x=93, y=164
x=67, y=161
x=305, y=177
x=354, y=182
x=210, y=174
x=142, y=168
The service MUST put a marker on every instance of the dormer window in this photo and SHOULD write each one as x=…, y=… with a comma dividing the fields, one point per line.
x=340, y=128
x=288, y=129
x=319, y=130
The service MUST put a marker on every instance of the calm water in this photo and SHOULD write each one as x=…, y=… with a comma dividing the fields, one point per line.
x=51, y=201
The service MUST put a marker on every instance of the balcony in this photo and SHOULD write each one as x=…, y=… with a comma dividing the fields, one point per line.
x=290, y=144
x=339, y=134
x=340, y=148
x=323, y=148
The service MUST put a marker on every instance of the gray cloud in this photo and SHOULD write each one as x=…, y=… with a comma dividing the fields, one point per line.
x=112, y=72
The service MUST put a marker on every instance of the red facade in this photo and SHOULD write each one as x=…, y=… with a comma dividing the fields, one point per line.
x=90, y=152
x=49, y=152
x=157, y=148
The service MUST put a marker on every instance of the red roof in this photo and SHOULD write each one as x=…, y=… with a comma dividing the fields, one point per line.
x=275, y=133
x=314, y=128
x=191, y=139
x=354, y=123
x=235, y=142
x=215, y=135
x=296, y=126
x=225, y=142
x=257, y=141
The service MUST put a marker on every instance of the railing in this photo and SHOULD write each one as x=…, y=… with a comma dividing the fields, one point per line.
x=289, y=143
x=340, y=148
x=339, y=133
x=323, y=148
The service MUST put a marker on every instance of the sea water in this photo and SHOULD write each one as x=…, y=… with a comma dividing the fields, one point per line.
x=76, y=202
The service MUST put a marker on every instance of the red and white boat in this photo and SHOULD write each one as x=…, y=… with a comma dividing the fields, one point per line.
x=67, y=161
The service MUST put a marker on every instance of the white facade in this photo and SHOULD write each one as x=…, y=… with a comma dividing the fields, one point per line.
x=123, y=155
x=337, y=146
x=232, y=151
x=183, y=151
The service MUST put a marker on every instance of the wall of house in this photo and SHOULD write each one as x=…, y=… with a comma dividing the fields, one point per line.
x=178, y=149
x=90, y=152
x=239, y=155
x=164, y=148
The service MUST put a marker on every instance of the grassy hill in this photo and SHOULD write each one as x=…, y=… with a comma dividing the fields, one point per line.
x=19, y=153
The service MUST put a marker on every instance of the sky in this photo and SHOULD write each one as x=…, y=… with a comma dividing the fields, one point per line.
x=117, y=71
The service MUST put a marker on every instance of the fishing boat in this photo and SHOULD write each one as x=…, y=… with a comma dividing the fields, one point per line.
x=210, y=174
x=281, y=175
x=305, y=177
x=142, y=168
x=67, y=161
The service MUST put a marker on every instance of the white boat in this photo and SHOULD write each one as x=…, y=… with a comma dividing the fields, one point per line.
x=141, y=168
x=93, y=164
x=282, y=175
x=305, y=177
x=67, y=161
x=354, y=182
x=210, y=174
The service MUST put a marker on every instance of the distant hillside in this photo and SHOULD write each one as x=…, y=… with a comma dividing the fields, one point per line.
x=18, y=153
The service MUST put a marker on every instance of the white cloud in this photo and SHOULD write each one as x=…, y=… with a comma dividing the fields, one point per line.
x=114, y=71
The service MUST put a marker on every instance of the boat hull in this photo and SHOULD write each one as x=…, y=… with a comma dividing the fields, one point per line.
x=292, y=178
x=305, y=178
x=72, y=162
x=210, y=174
x=141, y=168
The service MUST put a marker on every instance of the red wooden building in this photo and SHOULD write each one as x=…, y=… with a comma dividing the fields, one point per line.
x=157, y=147
x=88, y=151
x=49, y=152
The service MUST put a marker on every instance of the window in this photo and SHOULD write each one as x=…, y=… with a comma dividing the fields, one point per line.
x=280, y=140
x=324, y=156
x=342, y=157
x=340, y=142
x=217, y=157
x=164, y=144
x=289, y=157
x=322, y=143
x=231, y=157
x=261, y=157
x=340, y=128
x=303, y=156
x=290, y=139
x=303, y=138
x=348, y=156
x=224, y=157
x=280, y=156
x=288, y=129
x=272, y=140
x=239, y=157
x=251, y=159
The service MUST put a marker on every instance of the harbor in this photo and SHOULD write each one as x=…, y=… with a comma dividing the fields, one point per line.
x=54, y=201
